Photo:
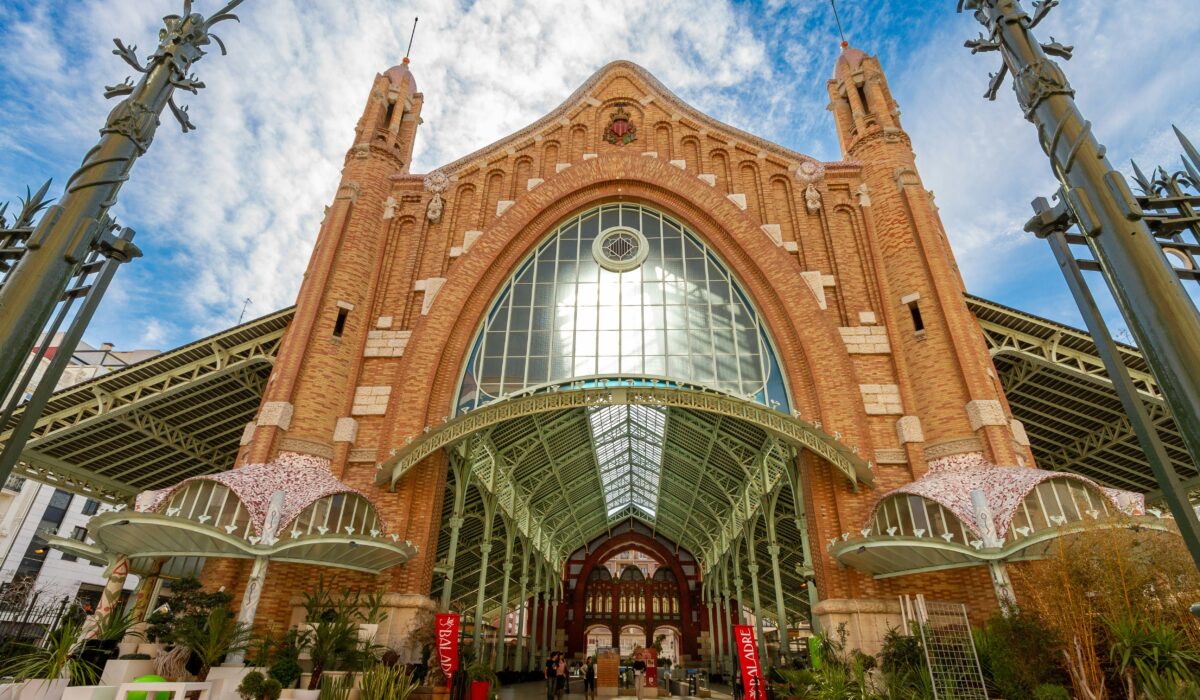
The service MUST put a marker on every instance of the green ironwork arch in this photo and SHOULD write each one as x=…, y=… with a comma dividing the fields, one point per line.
x=789, y=429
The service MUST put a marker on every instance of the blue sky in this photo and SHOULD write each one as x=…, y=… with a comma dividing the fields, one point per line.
x=231, y=211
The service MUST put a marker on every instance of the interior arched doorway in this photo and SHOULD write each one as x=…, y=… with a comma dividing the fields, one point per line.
x=599, y=637
x=671, y=640
x=632, y=637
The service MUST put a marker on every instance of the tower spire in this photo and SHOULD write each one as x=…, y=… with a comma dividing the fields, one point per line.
x=410, y=39
x=838, y=20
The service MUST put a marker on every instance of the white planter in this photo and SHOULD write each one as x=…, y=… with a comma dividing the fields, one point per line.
x=151, y=650
x=366, y=633
x=305, y=695
x=90, y=692
x=118, y=671
x=226, y=679
x=44, y=689
x=130, y=647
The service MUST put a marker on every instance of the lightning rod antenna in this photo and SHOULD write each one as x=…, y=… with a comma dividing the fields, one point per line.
x=838, y=20
x=410, y=39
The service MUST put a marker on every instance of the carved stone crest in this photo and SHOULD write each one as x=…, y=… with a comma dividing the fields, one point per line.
x=809, y=173
x=620, y=130
x=436, y=182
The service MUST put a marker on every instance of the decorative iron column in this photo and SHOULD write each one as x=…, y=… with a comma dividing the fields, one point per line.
x=752, y=568
x=1160, y=315
x=777, y=576
x=546, y=615
x=533, y=625
x=462, y=476
x=502, y=624
x=519, y=661
x=712, y=639
x=79, y=224
x=730, y=650
x=485, y=548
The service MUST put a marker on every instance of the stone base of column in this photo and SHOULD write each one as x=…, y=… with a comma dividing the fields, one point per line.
x=865, y=620
x=403, y=628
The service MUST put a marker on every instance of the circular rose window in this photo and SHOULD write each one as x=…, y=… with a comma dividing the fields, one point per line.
x=619, y=249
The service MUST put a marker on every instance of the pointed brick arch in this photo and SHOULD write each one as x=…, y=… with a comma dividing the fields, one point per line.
x=821, y=378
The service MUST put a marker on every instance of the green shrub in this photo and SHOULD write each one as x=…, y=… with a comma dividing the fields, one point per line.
x=1051, y=691
x=1018, y=653
x=134, y=657
x=251, y=687
x=286, y=672
x=271, y=689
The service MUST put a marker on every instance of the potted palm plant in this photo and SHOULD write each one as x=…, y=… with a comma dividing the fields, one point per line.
x=45, y=671
x=485, y=685
x=209, y=641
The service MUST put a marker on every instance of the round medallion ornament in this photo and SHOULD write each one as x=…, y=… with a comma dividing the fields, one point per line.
x=620, y=249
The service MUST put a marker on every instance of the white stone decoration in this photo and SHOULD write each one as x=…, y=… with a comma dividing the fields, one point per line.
x=864, y=195
x=436, y=182
x=809, y=173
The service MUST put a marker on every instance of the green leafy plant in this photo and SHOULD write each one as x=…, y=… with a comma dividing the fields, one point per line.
x=336, y=687
x=56, y=658
x=1051, y=691
x=1017, y=653
x=795, y=683
x=251, y=687
x=134, y=657
x=211, y=639
x=386, y=682
x=1142, y=650
x=480, y=671
x=188, y=604
x=285, y=666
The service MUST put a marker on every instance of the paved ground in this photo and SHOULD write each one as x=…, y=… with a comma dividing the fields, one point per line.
x=537, y=691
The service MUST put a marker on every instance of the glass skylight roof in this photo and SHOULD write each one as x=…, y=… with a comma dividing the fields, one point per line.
x=677, y=314
x=628, y=441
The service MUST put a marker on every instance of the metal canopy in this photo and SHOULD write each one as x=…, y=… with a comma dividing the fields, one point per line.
x=157, y=422
x=1057, y=386
x=716, y=474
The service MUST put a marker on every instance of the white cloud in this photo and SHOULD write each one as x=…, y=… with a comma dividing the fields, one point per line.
x=231, y=211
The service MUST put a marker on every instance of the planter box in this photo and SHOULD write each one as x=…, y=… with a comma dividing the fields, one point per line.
x=151, y=650
x=366, y=633
x=226, y=679
x=118, y=671
x=300, y=694
x=43, y=689
x=90, y=692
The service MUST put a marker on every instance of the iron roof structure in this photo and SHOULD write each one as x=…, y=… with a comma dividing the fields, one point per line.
x=181, y=414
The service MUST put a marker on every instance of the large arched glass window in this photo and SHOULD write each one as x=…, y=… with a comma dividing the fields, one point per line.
x=622, y=291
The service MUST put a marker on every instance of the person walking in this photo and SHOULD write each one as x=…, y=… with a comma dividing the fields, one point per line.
x=560, y=677
x=589, y=679
x=550, y=671
x=639, y=673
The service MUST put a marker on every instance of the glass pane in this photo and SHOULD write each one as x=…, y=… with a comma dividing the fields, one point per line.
x=561, y=305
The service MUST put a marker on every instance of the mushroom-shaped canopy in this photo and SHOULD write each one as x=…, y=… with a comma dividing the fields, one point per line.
x=304, y=479
x=291, y=509
x=967, y=511
x=951, y=480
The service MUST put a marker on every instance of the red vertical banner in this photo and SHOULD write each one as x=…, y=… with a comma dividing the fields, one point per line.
x=747, y=651
x=650, y=656
x=445, y=629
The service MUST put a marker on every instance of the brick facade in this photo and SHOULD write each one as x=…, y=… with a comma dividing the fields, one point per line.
x=847, y=263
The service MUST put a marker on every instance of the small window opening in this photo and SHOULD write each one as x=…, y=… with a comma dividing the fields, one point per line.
x=387, y=118
x=862, y=96
x=918, y=322
x=339, y=326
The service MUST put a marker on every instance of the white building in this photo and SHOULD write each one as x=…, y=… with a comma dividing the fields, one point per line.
x=28, y=508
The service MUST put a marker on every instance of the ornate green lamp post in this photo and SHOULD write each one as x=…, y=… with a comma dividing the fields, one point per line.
x=45, y=263
x=1096, y=198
